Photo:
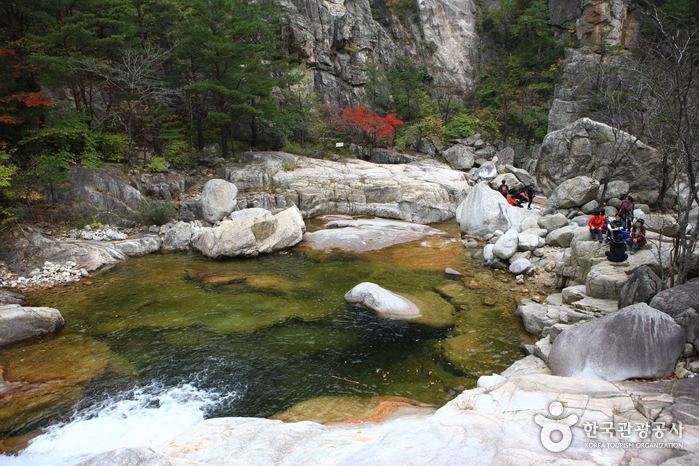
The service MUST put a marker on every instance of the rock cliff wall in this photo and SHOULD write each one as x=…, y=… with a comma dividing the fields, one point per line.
x=340, y=39
x=598, y=25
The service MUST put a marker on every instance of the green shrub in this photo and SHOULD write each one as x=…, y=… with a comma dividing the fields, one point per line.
x=157, y=164
x=151, y=212
x=293, y=148
x=463, y=126
x=180, y=153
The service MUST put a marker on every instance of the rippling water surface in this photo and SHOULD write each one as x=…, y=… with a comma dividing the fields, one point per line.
x=170, y=339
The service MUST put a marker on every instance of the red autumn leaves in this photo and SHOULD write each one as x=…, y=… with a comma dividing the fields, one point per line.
x=366, y=126
x=13, y=105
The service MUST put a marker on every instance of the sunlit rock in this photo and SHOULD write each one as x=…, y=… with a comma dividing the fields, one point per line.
x=250, y=233
x=485, y=210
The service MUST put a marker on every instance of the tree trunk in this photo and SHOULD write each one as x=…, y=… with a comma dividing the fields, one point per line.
x=200, y=135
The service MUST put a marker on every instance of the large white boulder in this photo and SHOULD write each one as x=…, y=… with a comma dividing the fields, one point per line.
x=250, y=232
x=506, y=245
x=635, y=342
x=485, y=210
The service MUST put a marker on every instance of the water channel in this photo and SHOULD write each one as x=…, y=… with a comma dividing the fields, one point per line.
x=158, y=343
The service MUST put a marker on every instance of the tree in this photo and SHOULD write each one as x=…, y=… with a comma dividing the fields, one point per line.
x=668, y=71
x=518, y=77
x=231, y=62
x=134, y=92
x=367, y=126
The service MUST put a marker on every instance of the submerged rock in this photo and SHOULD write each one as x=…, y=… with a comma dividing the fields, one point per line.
x=33, y=382
x=383, y=302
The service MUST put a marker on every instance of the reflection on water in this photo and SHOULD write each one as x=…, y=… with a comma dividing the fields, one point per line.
x=274, y=330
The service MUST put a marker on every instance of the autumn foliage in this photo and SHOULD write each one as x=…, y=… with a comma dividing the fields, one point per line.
x=15, y=98
x=366, y=126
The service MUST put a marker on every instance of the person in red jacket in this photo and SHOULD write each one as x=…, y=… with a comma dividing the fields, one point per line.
x=597, y=223
x=637, y=239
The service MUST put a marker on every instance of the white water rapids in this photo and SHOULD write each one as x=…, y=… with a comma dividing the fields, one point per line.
x=142, y=417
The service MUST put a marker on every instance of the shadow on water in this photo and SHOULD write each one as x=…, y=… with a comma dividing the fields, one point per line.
x=274, y=330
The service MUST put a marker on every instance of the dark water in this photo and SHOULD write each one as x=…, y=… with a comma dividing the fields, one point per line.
x=273, y=331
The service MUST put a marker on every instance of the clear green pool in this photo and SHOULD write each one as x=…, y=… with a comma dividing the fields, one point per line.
x=274, y=330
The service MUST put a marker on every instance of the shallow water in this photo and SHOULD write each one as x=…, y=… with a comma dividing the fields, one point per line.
x=257, y=336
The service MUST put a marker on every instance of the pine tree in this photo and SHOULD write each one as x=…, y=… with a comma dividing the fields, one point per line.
x=230, y=56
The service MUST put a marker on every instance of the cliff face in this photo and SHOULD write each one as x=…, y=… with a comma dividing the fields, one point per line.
x=598, y=25
x=340, y=39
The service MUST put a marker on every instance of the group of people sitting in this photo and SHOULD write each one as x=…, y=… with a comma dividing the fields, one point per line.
x=619, y=232
x=518, y=199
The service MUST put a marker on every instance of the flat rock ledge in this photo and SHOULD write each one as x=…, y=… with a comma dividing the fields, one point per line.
x=364, y=235
x=504, y=421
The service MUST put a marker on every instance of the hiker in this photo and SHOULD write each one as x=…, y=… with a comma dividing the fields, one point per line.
x=626, y=211
x=597, y=223
x=519, y=200
x=618, y=224
x=529, y=190
x=637, y=239
x=503, y=188
x=617, y=248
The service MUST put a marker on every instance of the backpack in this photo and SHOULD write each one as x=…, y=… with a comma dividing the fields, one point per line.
x=503, y=189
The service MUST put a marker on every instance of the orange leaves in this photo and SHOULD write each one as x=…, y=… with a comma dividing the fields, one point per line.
x=10, y=120
x=31, y=99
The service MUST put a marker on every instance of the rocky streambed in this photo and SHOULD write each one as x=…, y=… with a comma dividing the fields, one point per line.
x=524, y=248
